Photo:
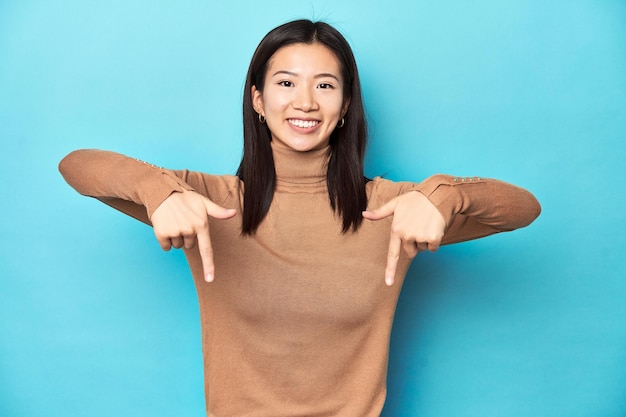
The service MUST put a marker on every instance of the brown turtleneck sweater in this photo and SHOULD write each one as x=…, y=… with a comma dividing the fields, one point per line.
x=297, y=321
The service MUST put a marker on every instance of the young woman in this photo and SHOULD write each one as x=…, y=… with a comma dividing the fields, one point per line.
x=298, y=260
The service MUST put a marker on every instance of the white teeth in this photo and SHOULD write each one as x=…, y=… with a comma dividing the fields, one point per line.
x=303, y=123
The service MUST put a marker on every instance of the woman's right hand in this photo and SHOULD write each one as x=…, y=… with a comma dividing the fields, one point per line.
x=182, y=219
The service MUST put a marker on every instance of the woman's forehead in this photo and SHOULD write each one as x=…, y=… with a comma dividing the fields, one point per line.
x=302, y=58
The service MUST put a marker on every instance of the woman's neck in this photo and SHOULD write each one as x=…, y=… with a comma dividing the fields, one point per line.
x=300, y=168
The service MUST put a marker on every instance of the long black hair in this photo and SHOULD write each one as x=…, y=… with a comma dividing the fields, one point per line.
x=345, y=179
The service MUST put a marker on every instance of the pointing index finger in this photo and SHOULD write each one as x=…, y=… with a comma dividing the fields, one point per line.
x=395, y=243
x=206, y=254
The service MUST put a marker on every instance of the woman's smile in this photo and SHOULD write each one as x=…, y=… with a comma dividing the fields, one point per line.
x=303, y=124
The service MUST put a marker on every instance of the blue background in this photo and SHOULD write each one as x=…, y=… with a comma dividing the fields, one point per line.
x=96, y=321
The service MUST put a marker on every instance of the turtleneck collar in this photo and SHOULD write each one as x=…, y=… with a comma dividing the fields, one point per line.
x=300, y=170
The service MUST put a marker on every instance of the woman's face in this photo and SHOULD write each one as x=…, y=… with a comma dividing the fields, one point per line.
x=302, y=100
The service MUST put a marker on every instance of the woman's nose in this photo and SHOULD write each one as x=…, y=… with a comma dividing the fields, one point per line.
x=304, y=99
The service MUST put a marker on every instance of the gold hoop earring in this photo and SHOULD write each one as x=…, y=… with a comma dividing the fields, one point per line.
x=341, y=123
x=261, y=118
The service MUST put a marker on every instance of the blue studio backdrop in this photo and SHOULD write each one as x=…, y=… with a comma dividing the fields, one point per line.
x=95, y=320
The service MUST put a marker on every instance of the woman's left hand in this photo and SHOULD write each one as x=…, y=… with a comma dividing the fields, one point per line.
x=417, y=226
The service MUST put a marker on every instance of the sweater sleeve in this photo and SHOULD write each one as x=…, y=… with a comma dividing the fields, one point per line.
x=132, y=186
x=474, y=207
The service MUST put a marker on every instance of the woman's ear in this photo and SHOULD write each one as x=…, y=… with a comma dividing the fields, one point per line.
x=344, y=107
x=257, y=101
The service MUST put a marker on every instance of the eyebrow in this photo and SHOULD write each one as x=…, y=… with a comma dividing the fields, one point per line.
x=295, y=74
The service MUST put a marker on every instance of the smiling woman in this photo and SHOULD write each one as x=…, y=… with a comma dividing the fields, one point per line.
x=303, y=96
x=346, y=184
x=298, y=260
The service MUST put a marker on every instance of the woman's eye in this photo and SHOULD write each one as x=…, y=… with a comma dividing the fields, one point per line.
x=286, y=83
x=326, y=85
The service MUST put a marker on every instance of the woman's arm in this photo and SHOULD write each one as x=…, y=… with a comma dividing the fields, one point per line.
x=474, y=207
x=445, y=209
x=127, y=184
x=156, y=196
